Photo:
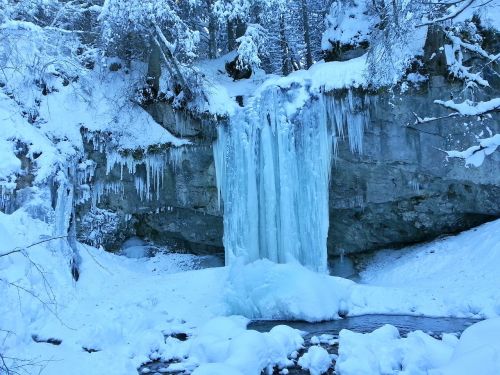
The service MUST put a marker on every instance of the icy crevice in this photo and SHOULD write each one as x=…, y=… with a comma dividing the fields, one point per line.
x=273, y=169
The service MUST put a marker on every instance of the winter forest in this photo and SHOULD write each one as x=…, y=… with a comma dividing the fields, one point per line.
x=250, y=187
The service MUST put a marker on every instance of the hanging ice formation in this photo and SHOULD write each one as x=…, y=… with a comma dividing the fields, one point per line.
x=65, y=225
x=147, y=170
x=273, y=168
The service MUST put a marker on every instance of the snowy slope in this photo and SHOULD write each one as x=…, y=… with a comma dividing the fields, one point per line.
x=122, y=307
x=119, y=306
x=452, y=276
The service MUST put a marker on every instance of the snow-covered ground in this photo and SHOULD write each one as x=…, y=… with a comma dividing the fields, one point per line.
x=384, y=352
x=121, y=309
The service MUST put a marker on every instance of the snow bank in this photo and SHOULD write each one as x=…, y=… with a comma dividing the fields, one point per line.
x=447, y=277
x=119, y=307
x=323, y=77
x=123, y=308
x=384, y=352
x=477, y=352
x=221, y=91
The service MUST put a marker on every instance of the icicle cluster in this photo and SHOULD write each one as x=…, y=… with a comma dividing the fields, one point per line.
x=273, y=173
x=148, y=186
x=101, y=189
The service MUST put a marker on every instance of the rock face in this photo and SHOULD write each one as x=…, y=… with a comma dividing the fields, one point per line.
x=183, y=213
x=401, y=190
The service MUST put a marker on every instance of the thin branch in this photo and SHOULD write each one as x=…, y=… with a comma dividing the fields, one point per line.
x=46, y=240
x=472, y=47
x=19, y=249
x=16, y=250
x=44, y=303
x=426, y=120
x=448, y=17
x=443, y=3
x=95, y=260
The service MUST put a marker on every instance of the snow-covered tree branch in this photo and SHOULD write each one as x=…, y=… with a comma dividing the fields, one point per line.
x=471, y=108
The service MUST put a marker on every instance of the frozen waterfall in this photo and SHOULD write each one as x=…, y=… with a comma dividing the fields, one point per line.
x=273, y=166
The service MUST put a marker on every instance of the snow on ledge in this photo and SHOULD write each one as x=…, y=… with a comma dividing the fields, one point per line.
x=320, y=77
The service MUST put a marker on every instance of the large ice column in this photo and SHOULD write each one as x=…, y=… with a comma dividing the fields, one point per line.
x=273, y=167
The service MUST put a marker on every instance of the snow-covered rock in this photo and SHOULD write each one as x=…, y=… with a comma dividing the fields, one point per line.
x=316, y=360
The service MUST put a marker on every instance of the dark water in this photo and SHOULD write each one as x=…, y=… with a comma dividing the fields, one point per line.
x=368, y=323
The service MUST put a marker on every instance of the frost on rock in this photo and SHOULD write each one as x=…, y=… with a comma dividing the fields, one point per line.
x=97, y=224
x=273, y=163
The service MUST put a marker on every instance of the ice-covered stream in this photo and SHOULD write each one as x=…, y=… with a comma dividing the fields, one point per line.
x=273, y=161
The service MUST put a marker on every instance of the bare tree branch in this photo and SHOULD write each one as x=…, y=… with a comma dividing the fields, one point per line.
x=426, y=120
x=450, y=16
x=19, y=250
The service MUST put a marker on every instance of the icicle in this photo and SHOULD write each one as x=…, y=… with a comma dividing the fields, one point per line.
x=100, y=189
x=414, y=185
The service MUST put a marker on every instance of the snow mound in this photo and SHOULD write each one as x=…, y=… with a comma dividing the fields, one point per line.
x=266, y=290
x=226, y=342
x=383, y=351
x=316, y=360
x=477, y=352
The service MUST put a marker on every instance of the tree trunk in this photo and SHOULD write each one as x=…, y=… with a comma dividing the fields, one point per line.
x=212, y=32
x=285, y=58
x=307, y=33
x=154, y=68
x=241, y=27
x=231, y=40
